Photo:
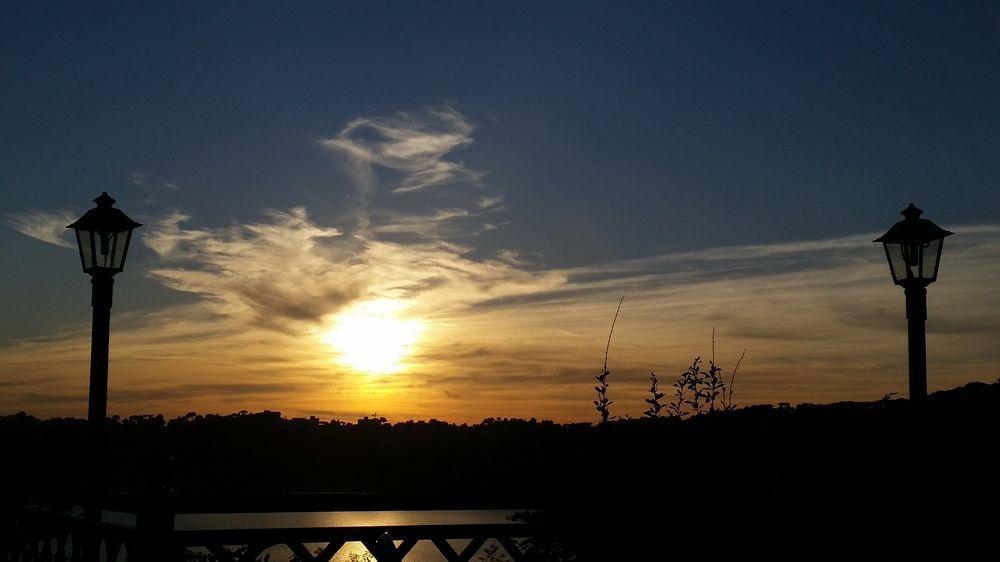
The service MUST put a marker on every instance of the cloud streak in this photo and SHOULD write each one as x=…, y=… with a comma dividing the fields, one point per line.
x=47, y=226
x=414, y=144
x=270, y=273
x=289, y=274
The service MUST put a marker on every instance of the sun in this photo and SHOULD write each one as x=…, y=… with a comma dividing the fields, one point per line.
x=372, y=337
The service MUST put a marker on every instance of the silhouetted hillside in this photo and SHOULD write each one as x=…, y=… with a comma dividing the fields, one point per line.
x=848, y=474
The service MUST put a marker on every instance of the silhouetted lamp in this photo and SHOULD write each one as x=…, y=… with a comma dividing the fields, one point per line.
x=103, y=235
x=913, y=249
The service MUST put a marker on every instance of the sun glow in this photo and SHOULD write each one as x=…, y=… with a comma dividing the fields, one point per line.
x=371, y=337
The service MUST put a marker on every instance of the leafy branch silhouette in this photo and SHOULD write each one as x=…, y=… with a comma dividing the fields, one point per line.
x=654, y=399
x=697, y=391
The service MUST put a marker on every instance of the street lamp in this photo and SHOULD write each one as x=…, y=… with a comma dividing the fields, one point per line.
x=103, y=235
x=913, y=249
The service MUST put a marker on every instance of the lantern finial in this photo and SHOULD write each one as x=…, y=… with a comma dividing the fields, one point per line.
x=911, y=212
x=104, y=200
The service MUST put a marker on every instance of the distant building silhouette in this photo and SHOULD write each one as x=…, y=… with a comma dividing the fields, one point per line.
x=373, y=421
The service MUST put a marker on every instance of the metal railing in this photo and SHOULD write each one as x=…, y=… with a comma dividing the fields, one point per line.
x=54, y=529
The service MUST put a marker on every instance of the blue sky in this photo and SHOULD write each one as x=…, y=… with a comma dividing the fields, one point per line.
x=598, y=132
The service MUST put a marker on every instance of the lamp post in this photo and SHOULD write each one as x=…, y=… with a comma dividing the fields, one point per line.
x=913, y=249
x=103, y=235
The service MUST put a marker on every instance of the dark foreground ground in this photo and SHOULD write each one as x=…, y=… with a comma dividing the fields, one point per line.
x=840, y=481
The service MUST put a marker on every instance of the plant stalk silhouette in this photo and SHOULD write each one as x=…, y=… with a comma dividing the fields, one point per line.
x=691, y=380
x=713, y=384
x=727, y=402
x=654, y=399
x=602, y=403
x=676, y=408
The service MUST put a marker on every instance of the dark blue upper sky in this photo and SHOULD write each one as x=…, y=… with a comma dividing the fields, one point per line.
x=615, y=129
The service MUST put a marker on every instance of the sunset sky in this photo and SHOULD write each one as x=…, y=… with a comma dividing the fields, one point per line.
x=431, y=209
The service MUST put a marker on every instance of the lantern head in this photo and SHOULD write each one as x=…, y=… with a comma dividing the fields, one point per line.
x=103, y=235
x=913, y=248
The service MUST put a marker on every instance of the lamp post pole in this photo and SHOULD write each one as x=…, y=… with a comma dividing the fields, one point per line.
x=100, y=335
x=916, y=317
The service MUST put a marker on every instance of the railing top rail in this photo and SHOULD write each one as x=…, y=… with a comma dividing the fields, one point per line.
x=311, y=502
x=357, y=533
x=348, y=502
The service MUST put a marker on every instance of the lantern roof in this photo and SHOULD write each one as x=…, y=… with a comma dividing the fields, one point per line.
x=104, y=217
x=913, y=229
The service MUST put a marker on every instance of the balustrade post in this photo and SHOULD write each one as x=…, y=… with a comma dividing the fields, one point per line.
x=154, y=523
x=9, y=510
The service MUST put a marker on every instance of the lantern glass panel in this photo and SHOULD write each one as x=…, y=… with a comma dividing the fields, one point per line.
x=912, y=255
x=110, y=247
x=914, y=260
x=106, y=242
x=103, y=251
x=932, y=257
x=121, y=245
x=85, y=239
x=897, y=262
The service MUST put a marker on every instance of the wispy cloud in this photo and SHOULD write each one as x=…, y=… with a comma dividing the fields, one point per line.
x=288, y=273
x=276, y=273
x=152, y=189
x=408, y=182
x=47, y=226
x=137, y=179
x=147, y=184
x=413, y=143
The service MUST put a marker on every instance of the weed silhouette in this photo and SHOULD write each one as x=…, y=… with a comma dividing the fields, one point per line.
x=602, y=403
x=697, y=391
x=654, y=399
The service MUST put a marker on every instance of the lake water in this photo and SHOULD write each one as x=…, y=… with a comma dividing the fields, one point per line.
x=424, y=551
